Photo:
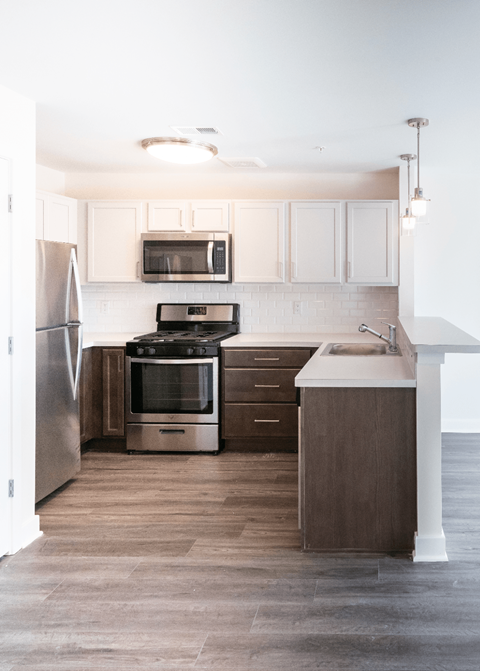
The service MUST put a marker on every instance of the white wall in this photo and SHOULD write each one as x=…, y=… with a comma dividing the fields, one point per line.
x=17, y=142
x=447, y=284
x=50, y=180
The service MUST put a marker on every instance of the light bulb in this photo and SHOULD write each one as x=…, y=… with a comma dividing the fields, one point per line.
x=419, y=203
x=179, y=150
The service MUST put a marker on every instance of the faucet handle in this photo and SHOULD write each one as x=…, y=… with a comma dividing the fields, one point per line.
x=390, y=325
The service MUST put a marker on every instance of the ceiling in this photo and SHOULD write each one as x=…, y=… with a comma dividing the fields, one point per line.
x=277, y=77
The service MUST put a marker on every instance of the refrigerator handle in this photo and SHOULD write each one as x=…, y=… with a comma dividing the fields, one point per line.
x=73, y=270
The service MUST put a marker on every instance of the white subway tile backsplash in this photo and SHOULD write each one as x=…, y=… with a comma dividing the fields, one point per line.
x=263, y=308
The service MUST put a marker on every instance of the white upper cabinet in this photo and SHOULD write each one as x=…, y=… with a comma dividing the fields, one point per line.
x=114, y=230
x=190, y=216
x=56, y=218
x=372, y=242
x=316, y=242
x=167, y=215
x=210, y=215
x=259, y=240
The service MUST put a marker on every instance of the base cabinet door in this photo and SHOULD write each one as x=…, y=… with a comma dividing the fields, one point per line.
x=113, y=374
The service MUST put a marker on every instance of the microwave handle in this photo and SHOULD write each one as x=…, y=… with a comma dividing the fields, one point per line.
x=210, y=257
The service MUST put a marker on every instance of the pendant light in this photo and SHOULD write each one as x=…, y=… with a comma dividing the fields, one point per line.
x=179, y=149
x=408, y=220
x=418, y=202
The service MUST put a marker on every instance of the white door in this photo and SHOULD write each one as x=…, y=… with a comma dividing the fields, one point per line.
x=5, y=360
x=259, y=242
x=210, y=215
x=372, y=242
x=316, y=238
x=114, y=230
x=167, y=215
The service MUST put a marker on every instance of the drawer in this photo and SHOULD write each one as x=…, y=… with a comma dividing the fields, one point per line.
x=266, y=358
x=260, y=386
x=262, y=419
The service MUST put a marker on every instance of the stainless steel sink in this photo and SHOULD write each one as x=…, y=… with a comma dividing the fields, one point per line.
x=358, y=349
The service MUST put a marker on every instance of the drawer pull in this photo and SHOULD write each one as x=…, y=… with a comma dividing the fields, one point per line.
x=267, y=385
x=272, y=358
x=266, y=420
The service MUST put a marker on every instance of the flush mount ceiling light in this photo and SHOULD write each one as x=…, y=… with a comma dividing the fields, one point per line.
x=408, y=220
x=179, y=149
x=418, y=202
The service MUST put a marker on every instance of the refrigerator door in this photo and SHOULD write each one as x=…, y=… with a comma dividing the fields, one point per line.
x=58, y=424
x=56, y=294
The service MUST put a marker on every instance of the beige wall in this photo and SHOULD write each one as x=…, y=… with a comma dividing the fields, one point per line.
x=373, y=185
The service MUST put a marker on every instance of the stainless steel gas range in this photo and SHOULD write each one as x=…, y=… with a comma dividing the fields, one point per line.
x=172, y=385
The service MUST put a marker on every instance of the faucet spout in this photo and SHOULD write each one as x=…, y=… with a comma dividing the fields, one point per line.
x=392, y=335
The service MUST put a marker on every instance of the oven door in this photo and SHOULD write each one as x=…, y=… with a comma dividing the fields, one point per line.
x=172, y=391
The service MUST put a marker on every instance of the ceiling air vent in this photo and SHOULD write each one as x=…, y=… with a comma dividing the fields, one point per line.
x=243, y=162
x=196, y=130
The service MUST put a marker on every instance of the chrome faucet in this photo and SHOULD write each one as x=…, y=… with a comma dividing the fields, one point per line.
x=392, y=335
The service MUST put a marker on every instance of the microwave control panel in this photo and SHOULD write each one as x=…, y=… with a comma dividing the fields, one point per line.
x=220, y=267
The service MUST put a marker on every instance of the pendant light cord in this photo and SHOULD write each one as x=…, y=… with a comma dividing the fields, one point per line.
x=418, y=156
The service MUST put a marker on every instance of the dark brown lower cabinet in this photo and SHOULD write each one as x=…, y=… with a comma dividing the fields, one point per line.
x=102, y=395
x=358, y=469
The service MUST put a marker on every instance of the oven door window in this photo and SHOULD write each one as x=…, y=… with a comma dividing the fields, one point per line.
x=169, y=257
x=172, y=388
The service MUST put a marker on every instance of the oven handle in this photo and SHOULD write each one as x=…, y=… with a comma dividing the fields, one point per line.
x=171, y=361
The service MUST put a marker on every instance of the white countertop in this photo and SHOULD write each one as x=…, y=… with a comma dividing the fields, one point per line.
x=434, y=334
x=275, y=340
x=107, y=339
x=354, y=371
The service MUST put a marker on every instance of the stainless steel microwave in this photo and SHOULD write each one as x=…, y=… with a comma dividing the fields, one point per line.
x=186, y=257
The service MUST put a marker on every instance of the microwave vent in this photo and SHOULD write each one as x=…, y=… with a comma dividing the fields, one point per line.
x=244, y=162
x=196, y=130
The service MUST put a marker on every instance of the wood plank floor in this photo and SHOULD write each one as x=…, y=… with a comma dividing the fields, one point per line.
x=192, y=562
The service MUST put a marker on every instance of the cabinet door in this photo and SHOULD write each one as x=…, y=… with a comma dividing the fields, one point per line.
x=86, y=396
x=114, y=230
x=259, y=242
x=210, y=215
x=40, y=216
x=167, y=215
x=316, y=237
x=113, y=391
x=372, y=242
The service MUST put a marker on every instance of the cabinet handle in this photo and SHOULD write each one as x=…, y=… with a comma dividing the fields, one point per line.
x=294, y=269
x=266, y=420
x=280, y=269
x=181, y=215
x=138, y=268
x=267, y=385
x=272, y=358
x=193, y=218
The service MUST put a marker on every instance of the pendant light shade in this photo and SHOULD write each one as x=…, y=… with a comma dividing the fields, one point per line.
x=179, y=150
x=418, y=202
x=409, y=218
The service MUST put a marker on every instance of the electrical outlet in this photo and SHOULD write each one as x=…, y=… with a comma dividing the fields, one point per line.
x=297, y=307
x=105, y=309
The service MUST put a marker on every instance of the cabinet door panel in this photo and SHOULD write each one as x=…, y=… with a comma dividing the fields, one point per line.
x=113, y=241
x=316, y=242
x=57, y=223
x=167, y=215
x=260, y=386
x=210, y=216
x=40, y=216
x=259, y=242
x=258, y=358
x=372, y=243
x=113, y=391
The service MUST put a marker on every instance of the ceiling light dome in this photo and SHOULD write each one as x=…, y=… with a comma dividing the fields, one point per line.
x=179, y=149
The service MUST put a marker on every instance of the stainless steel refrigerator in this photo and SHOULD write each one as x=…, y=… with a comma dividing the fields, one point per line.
x=59, y=339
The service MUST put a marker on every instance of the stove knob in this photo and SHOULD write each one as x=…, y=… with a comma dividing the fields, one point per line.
x=140, y=351
x=201, y=350
x=190, y=351
x=151, y=350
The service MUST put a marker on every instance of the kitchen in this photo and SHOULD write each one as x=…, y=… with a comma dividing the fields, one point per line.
x=449, y=180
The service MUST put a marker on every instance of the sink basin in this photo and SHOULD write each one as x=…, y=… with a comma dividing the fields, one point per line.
x=358, y=349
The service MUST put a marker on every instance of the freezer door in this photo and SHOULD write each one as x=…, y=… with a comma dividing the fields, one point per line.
x=57, y=300
x=58, y=425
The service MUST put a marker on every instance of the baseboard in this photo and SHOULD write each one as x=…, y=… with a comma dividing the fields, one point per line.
x=460, y=425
